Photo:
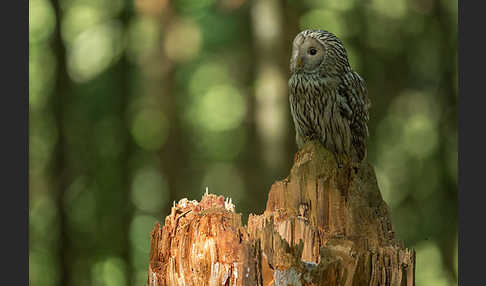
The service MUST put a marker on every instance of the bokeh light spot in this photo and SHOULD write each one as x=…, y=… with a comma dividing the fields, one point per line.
x=79, y=18
x=407, y=133
x=429, y=265
x=42, y=70
x=150, y=129
x=43, y=267
x=110, y=272
x=221, y=108
x=206, y=76
x=271, y=104
x=267, y=20
x=41, y=20
x=80, y=205
x=417, y=122
x=43, y=217
x=143, y=39
x=94, y=50
x=149, y=190
x=183, y=41
x=420, y=136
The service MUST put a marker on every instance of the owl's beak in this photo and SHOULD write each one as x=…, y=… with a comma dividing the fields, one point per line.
x=299, y=63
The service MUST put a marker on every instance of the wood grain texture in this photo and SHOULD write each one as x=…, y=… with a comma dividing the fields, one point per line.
x=323, y=225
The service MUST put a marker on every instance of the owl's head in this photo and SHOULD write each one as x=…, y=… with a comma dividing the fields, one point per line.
x=318, y=51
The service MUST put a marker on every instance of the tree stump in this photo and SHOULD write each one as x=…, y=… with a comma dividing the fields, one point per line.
x=323, y=225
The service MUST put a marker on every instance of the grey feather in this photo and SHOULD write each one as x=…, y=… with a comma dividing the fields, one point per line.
x=328, y=100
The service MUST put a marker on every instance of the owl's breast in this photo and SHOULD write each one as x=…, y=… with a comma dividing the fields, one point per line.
x=316, y=112
x=311, y=84
x=310, y=103
x=311, y=90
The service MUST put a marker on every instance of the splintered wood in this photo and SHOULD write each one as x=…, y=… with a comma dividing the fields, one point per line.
x=323, y=225
x=202, y=244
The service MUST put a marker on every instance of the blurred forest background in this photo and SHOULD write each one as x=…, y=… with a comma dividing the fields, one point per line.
x=137, y=103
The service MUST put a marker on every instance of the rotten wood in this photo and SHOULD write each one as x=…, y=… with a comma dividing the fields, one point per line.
x=323, y=225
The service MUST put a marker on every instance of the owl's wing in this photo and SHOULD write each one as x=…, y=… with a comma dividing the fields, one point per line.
x=354, y=104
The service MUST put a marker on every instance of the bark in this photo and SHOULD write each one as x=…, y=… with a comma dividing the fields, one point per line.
x=323, y=225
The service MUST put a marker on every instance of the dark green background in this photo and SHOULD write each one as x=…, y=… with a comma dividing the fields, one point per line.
x=136, y=104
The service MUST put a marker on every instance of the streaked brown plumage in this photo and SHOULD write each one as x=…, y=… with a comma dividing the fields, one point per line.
x=328, y=100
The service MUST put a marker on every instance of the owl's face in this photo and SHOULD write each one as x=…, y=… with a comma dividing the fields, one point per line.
x=318, y=52
x=307, y=55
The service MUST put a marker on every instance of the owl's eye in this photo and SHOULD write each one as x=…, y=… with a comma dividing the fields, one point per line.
x=312, y=51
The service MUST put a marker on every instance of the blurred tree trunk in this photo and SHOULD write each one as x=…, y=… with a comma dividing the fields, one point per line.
x=173, y=155
x=447, y=91
x=274, y=24
x=125, y=79
x=323, y=225
x=60, y=169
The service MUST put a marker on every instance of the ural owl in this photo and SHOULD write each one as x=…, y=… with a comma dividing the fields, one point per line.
x=328, y=100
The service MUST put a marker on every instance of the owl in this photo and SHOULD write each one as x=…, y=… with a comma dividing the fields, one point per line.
x=328, y=100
